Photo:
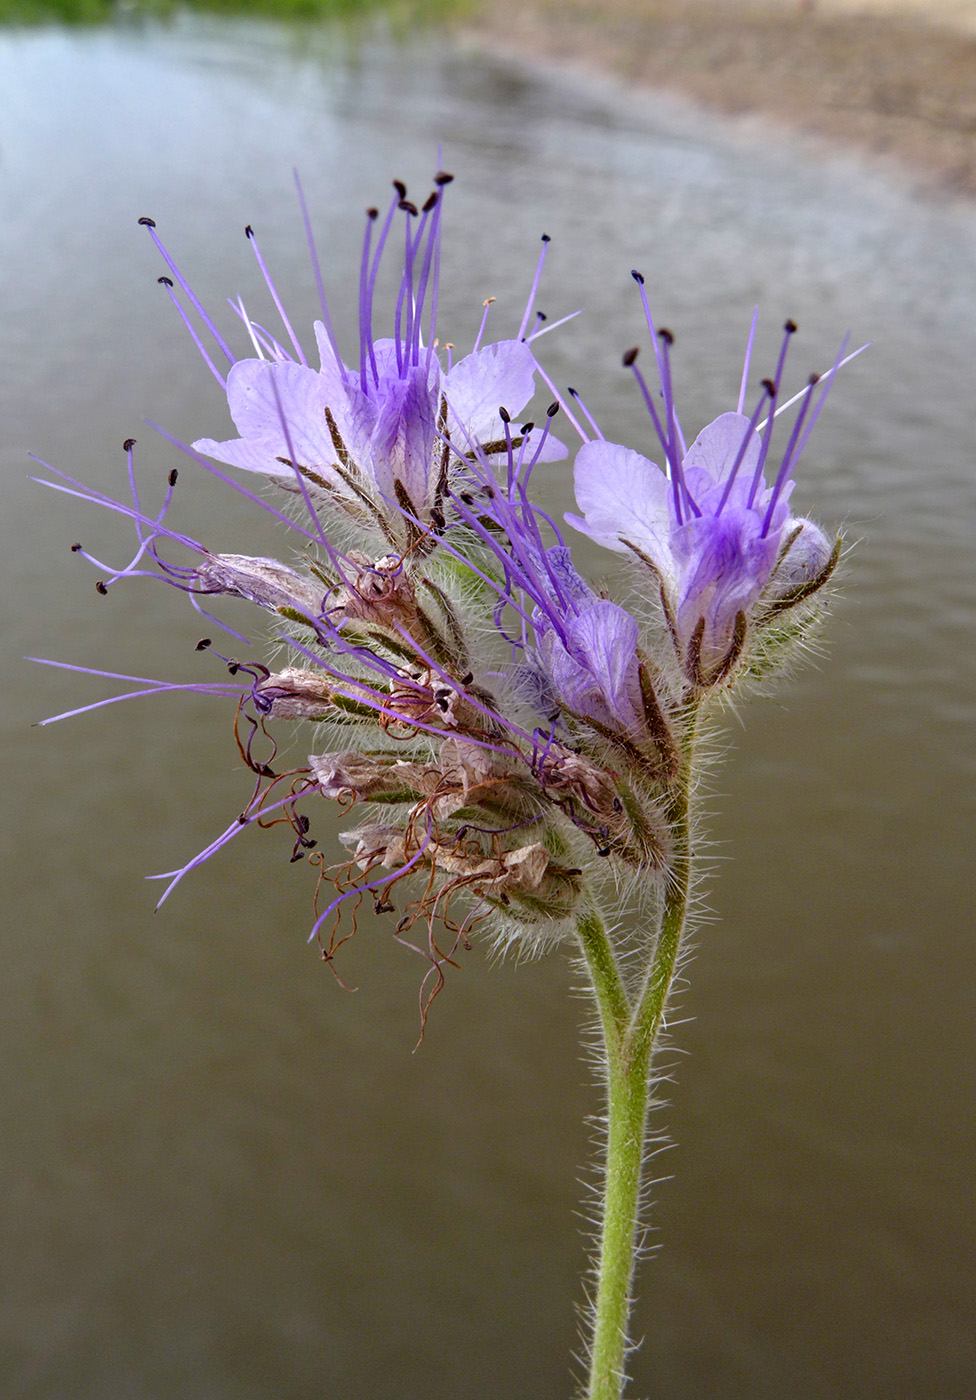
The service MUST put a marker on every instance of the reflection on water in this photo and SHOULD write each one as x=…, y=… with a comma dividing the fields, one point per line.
x=226, y=1176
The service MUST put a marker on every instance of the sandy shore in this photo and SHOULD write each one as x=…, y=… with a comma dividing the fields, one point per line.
x=896, y=77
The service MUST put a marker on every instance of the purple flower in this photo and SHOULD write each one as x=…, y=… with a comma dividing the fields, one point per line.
x=718, y=537
x=579, y=650
x=587, y=647
x=374, y=439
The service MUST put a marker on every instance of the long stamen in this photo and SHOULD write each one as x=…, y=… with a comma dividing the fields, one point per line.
x=827, y=382
x=577, y=398
x=251, y=236
x=744, y=447
x=489, y=301
x=229, y=481
x=824, y=378
x=365, y=328
x=666, y=340
x=150, y=224
x=672, y=461
x=400, y=192
x=421, y=243
x=789, y=330
x=127, y=448
x=551, y=412
x=652, y=329
x=191, y=329
x=541, y=329
x=405, y=294
x=441, y=180
x=747, y=362
x=789, y=456
x=433, y=207
x=317, y=272
x=249, y=326
x=546, y=240
x=299, y=476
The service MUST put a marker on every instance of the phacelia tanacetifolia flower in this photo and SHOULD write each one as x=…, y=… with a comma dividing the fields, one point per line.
x=373, y=439
x=720, y=540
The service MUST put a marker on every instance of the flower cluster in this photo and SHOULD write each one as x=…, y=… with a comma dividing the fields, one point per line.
x=505, y=738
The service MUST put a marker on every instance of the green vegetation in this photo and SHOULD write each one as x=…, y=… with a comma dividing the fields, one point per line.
x=107, y=11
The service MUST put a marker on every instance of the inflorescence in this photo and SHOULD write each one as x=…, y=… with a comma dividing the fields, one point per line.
x=506, y=738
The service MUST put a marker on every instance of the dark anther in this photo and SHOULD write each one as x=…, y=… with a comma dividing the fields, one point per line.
x=442, y=178
x=467, y=498
x=372, y=213
x=310, y=845
x=173, y=477
x=437, y=518
x=552, y=410
x=527, y=428
x=202, y=644
x=541, y=316
x=400, y=188
x=665, y=335
x=407, y=206
x=603, y=850
x=128, y=445
x=295, y=855
x=303, y=823
x=574, y=870
x=380, y=908
x=467, y=678
x=637, y=276
x=75, y=548
x=630, y=357
x=618, y=806
x=166, y=281
x=242, y=819
x=233, y=667
x=149, y=223
x=814, y=379
x=430, y=201
x=769, y=386
x=546, y=238
x=101, y=588
x=249, y=232
x=573, y=392
x=504, y=415
x=790, y=327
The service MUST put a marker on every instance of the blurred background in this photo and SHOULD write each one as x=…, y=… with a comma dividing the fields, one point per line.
x=225, y=1177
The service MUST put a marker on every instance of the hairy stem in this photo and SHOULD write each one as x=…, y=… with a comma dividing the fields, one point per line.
x=631, y=1025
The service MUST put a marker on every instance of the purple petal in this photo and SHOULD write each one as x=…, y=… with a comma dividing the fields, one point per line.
x=259, y=413
x=724, y=565
x=595, y=673
x=605, y=638
x=403, y=440
x=623, y=496
x=716, y=448
x=501, y=375
x=573, y=586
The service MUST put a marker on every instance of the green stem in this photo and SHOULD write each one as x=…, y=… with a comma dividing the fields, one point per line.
x=630, y=1032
